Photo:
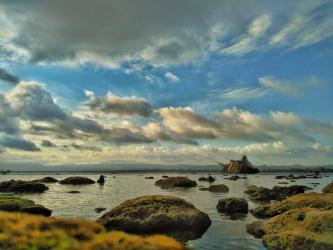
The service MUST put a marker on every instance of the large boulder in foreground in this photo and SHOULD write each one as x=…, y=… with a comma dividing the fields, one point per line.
x=232, y=205
x=77, y=180
x=243, y=166
x=22, y=187
x=157, y=214
x=276, y=193
x=328, y=188
x=302, y=228
x=314, y=200
x=173, y=182
x=13, y=203
x=26, y=232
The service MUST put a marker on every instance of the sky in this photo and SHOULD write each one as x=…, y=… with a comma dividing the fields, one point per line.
x=166, y=82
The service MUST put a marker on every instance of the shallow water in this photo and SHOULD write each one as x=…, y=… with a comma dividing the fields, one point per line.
x=224, y=233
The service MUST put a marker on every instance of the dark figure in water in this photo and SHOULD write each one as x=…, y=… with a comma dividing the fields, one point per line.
x=101, y=180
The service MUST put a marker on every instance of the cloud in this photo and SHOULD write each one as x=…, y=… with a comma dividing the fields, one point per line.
x=248, y=41
x=7, y=77
x=172, y=77
x=112, y=104
x=289, y=87
x=17, y=143
x=238, y=94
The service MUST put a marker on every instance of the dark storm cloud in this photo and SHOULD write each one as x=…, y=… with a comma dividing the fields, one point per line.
x=8, y=77
x=18, y=143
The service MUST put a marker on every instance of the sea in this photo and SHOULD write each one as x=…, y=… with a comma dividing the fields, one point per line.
x=224, y=233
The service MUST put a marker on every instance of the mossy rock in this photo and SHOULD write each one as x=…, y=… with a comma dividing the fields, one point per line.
x=220, y=188
x=157, y=214
x=232, y=205
x=173, y=182
x=315, y=200
x=31, y=232
x=22, y=187
x=302, y=228
x=77, y=180
x=13, y=203
x=328, y=188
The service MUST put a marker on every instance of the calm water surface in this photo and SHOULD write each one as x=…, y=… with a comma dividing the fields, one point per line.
x=224, y=233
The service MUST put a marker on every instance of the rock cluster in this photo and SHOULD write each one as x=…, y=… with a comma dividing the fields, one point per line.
x=157, y=214
x=26, y=232
x=13, y=203
x=22, y=187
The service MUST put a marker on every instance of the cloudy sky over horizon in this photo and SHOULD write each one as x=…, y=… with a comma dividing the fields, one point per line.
x=166, y=82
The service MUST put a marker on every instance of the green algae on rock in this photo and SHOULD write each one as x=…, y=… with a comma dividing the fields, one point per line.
x=13, y=203
x=22, y=187
x=157, y=214
x=315, y=200
x=27, y=232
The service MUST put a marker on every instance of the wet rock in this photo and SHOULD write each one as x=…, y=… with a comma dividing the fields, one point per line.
x=283, y=182
x=101, y=180
x=165, y=176
x=74, y=192
x=232, y=205
x=22, y=187
x=208, y=179
x=276, y=193
x=47, y=180
x=302, y=228
x=77, y=180
x=314, y=200
x=280, y=177
x=179, y=181
x=23, y=231
x=149, y=178
x=158, y=214
x=99, y=209
x=13, y=203
x=233, y=178
x=221, y=188
x=256, y=228
x=328, y=188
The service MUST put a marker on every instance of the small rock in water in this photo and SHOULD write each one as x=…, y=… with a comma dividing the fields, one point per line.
x=221, y=188
x=149, y=177
x=232, y=205
x=256, y=228
x=74, y=192
x=209, y=179
x=173, y=182
x=165, y=176
x=101, y=180
x=99, y=209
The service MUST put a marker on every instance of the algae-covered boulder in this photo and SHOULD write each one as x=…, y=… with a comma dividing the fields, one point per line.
x=220, y=188
x=314, y=200
x=173, y=182
x=157, y=214
x=27, y=232
x=256, y=228
x=47, y=179
x=77, y=180
x=328, y=188
x=232, y=205
x=22, y=187
x=302, y=228
x=13, y=203
x=276, y=193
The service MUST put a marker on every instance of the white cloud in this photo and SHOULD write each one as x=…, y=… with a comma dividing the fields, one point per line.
x=172, y=77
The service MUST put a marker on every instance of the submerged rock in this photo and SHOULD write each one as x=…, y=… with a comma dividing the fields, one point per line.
x=74, y=192
x=314, y=200
x=256, y=228
x=149, y=177
x=157, y=214
x=178, y=181
x=328, y=188
x=77, y=180
x=47, y=180
x=232, y=205
x=242, y=166
x=302, y=228
x=276, y=193
x=221, y=188
x=25, y=232
x=99, y=209
x=209, y=178
x=13, y=203
x=22, y=187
